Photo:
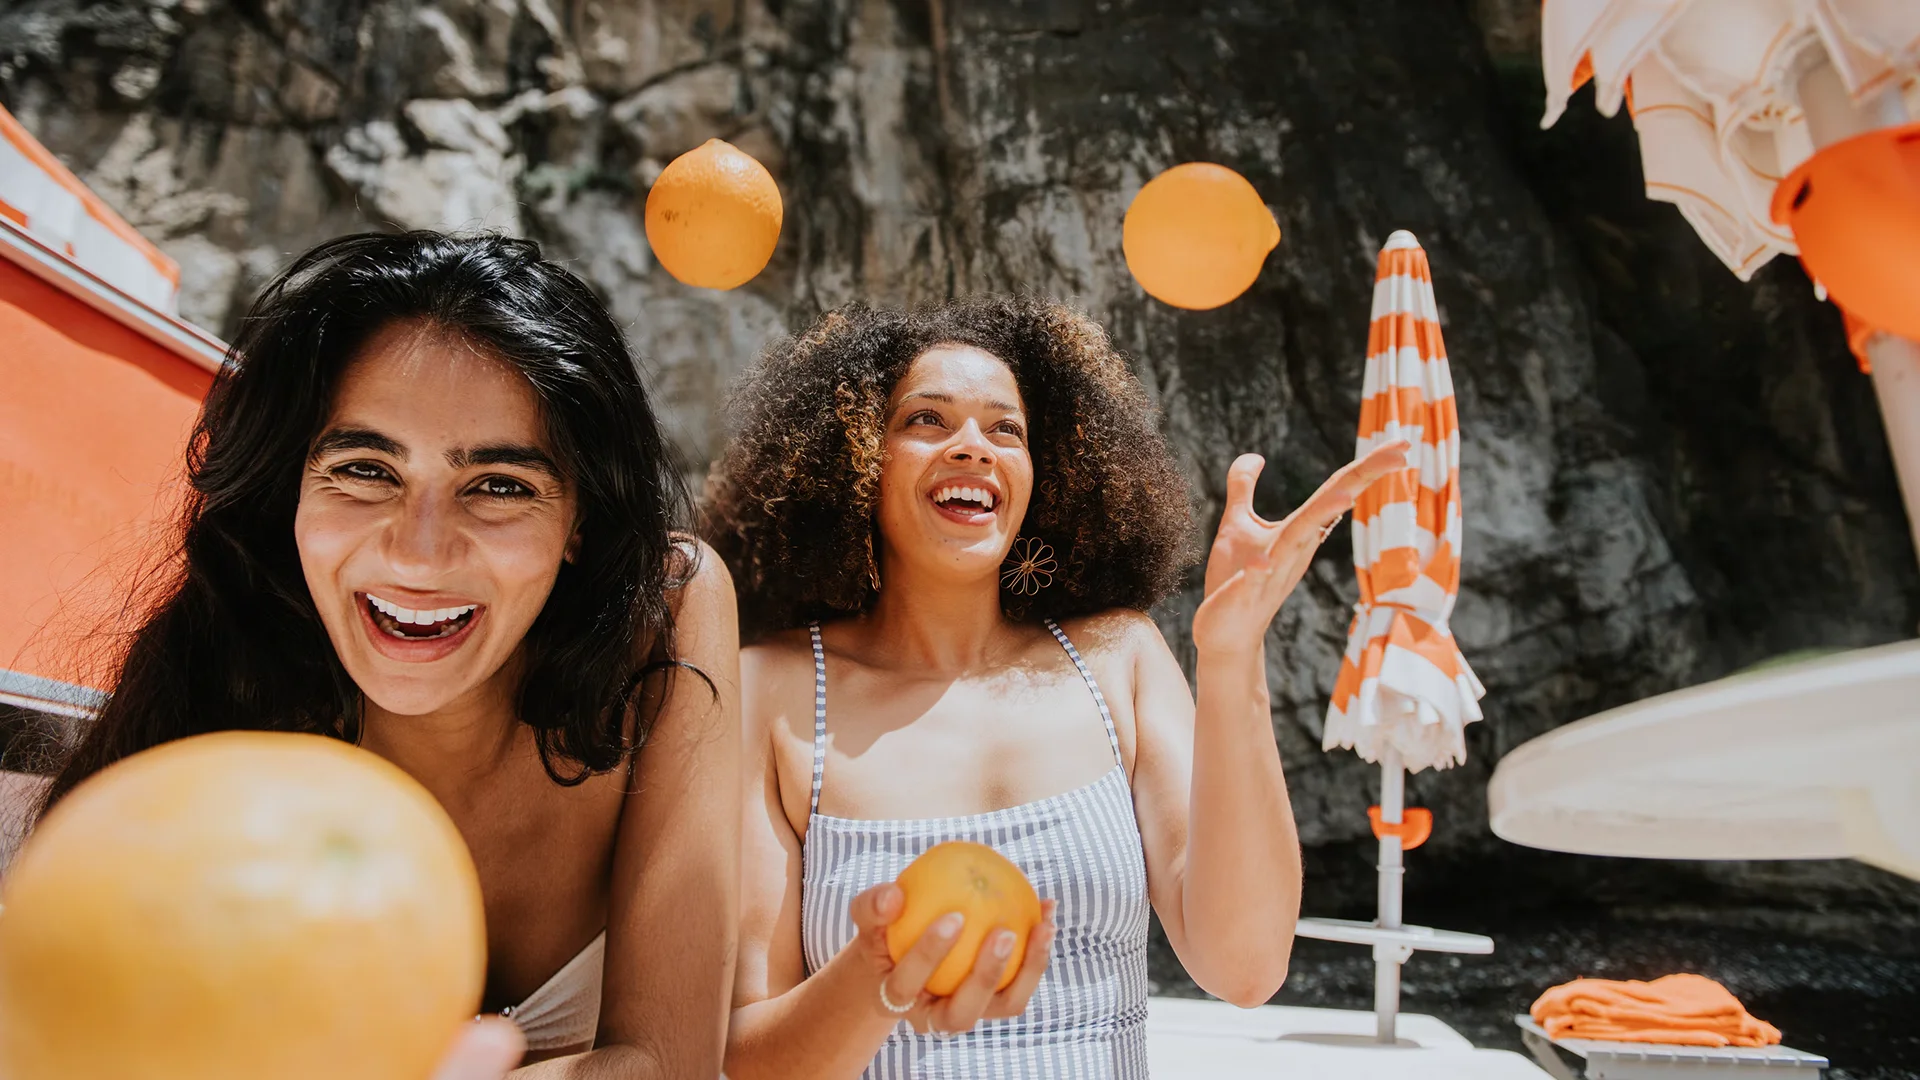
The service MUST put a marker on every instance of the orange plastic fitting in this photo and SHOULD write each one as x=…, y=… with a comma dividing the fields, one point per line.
x=1415, y=826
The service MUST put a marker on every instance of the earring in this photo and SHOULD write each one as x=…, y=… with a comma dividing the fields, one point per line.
x=1030, y=566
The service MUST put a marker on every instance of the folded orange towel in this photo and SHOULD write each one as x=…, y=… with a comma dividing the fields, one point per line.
x=1688, y=1010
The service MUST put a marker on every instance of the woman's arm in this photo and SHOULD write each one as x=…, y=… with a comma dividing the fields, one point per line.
x=673, y=915
x=785, y=1024
x=1223, y=857
x=1223, y=854
x=788, y=1025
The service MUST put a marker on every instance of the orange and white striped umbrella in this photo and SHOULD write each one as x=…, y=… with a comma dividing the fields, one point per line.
x=1403, y=683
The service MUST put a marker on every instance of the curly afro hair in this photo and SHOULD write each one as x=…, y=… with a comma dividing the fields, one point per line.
x=791, y=504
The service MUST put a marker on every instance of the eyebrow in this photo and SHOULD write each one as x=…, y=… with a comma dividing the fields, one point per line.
x=462, y=457
x=525, y=457
x=934, y=395
x=355, y=439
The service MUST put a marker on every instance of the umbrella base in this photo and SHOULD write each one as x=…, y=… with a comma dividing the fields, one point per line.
x=1392, y=946
x=1402, y=941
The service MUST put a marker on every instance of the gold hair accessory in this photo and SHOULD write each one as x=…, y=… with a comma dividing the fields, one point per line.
x=1030, y=566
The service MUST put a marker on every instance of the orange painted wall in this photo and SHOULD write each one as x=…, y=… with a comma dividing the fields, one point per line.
x=94, y=421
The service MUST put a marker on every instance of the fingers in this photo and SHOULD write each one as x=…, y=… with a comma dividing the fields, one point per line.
x=1382, y=460
x=1241, y=477
x=910, y=974
x=963, y=1008
x=1344, y=487
x=1013, y=1000
x=486, y=1049
x=877, y=907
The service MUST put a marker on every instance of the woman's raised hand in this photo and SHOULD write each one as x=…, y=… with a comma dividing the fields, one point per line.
x=1254, y=563
x=975, y=999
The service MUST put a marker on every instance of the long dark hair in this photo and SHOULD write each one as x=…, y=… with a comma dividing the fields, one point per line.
x=235, y=640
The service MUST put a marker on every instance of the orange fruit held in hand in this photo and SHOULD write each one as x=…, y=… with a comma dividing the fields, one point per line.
x=240, y=905
x=979, y=883
x=1196, y=236
x=713, y=216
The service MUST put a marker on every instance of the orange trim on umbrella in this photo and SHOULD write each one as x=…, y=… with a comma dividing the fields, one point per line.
x=1582, y=71
x=1401, y=262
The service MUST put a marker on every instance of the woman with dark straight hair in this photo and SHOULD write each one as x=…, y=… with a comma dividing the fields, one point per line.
x=433, y=514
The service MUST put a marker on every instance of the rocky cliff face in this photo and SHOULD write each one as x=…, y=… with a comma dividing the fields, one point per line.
x=1669, y=474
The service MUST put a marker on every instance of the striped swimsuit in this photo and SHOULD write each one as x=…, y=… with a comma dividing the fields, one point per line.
x=1081, y=849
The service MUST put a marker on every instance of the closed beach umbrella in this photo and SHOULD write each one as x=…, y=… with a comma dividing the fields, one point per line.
x=1405, y=694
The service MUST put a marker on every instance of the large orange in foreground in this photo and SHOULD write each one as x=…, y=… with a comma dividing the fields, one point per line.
x=1196, y=236
x=713, y=216
x=979, y=883
x=240, y=906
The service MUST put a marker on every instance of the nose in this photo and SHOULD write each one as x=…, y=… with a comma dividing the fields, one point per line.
x=422, y=541
x=970, y=444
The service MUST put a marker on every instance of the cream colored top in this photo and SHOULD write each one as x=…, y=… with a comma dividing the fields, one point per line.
x=565, y=1011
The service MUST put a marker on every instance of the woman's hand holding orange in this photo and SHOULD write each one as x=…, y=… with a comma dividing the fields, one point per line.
x=906, y=981
x=1254, y=563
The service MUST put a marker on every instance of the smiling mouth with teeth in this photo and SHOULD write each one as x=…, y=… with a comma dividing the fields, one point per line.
x=418, y=625
x=962, y=497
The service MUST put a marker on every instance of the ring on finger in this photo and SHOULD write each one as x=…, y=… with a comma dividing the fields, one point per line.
x=887, y=1002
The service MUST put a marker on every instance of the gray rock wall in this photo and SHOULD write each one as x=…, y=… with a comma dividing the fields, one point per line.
x=1669, y=474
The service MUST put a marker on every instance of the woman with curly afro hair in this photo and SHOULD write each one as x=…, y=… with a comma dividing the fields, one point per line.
x=945, y=528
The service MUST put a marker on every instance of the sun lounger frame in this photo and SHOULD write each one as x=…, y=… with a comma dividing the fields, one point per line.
x=1657, y=1061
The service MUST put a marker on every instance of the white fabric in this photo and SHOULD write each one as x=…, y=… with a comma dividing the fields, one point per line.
x=1714, y=86
x=565, y=1012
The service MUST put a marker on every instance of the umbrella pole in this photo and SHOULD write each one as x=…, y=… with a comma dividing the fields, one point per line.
x=1896, y=383
x=1386, y=961
x=1832, y=116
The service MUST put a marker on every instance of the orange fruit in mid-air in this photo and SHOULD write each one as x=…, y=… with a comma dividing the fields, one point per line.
x=1196, y=236
x=979, y=883
x=240, y=905
x=713, y=216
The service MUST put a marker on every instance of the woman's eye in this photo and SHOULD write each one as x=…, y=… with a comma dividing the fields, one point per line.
x=361, y=470
x=923, y=418
x=503, y=487
x=1010, y=428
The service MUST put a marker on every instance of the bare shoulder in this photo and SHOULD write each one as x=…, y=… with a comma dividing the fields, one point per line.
x=780, y=654
x=776, y=675
x=1119, y=635
x=701, y=584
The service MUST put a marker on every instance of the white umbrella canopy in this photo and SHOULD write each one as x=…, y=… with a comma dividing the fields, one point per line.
x=1715, y=89
x=1758, y=118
